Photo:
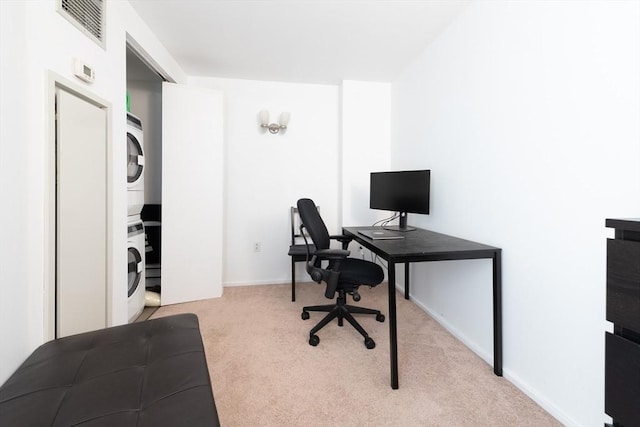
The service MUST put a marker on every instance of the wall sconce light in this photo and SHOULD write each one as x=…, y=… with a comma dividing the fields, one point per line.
x=274, y=127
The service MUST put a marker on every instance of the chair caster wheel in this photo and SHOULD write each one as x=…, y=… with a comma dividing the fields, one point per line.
x=305, y=315
x=380, y=317
x=314, y=340
x=369, y=343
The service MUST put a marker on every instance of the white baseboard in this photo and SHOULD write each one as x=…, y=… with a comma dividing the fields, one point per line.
x=256, y=283
x=541, y=400
x=523, y=386
x=487, y=357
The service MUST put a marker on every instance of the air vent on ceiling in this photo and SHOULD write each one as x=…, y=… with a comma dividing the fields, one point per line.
x=87, y=15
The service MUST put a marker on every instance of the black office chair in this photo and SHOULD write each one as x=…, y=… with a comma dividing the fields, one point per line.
x=341, y=274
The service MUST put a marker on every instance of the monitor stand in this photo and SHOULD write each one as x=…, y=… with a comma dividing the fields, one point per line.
x=403, y=224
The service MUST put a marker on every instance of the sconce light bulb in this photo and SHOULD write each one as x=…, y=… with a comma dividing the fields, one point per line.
x=284, y=119
x=264, y=118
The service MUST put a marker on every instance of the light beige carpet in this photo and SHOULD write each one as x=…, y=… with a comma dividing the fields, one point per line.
x=264, y=372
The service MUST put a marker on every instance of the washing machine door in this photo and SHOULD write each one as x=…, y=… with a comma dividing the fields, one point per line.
x=135, y=159
x=134, y=269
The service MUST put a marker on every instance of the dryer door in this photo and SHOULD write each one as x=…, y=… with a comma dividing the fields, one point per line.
x=135, y=159
x=134, y=268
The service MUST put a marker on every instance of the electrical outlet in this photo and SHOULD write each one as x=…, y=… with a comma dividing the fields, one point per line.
x=257, y=246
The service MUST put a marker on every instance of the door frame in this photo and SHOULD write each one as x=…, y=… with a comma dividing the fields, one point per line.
x=55, y=82
x=144, y=56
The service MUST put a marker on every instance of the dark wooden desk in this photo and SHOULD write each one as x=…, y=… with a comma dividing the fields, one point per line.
x=424, y=245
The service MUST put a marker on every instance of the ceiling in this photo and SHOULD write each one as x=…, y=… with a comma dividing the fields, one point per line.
x=309, y=41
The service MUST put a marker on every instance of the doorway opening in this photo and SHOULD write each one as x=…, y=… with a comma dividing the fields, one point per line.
x=144, y=139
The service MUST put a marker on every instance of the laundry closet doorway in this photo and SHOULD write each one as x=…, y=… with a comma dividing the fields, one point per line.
x=183, y=175
x=144, y=102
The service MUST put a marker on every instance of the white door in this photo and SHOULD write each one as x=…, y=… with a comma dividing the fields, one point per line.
x=81, y=228
x=192, y=203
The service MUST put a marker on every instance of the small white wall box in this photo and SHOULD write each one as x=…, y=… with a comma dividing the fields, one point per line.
x=83, y=71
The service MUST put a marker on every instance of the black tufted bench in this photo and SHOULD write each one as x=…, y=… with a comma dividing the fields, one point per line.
x=151, y=373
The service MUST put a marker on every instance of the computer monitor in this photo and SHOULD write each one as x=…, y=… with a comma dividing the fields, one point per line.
x=400, y=191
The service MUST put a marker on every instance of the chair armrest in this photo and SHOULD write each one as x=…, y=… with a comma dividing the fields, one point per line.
x=330, y=277
x=342, y=239
x=332, y=254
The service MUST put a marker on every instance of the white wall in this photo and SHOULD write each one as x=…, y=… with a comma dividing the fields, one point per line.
x=365, y=148
x=366, y=142
x=35, y=39
x=266, y=174
x=528, y=115
x=15, y=293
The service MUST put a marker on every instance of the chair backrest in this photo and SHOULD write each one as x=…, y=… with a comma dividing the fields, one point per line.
x=296, y=237
x=313, y=223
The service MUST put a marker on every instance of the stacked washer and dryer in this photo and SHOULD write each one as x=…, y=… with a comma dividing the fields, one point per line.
x=135, y=226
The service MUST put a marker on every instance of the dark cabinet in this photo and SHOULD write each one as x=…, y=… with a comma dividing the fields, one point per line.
x=622, y=348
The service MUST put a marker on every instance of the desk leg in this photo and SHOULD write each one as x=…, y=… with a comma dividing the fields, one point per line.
x=497, y=313
x=293, y=280
x=393, y=328
x=406, y=280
